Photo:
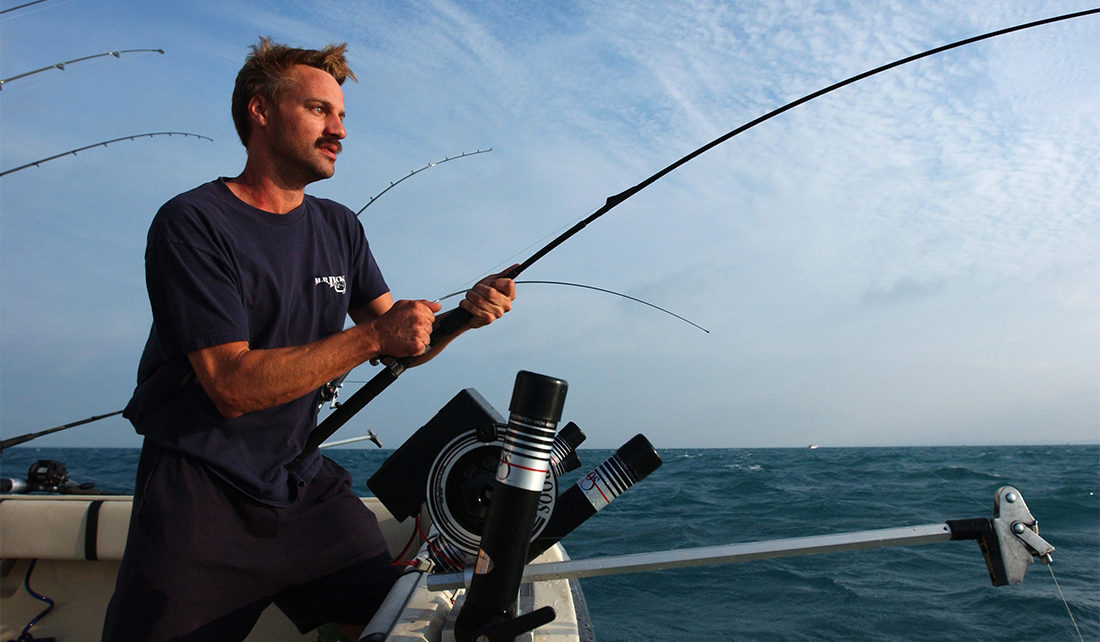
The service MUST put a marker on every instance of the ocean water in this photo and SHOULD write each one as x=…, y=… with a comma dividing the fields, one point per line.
x=721, y=496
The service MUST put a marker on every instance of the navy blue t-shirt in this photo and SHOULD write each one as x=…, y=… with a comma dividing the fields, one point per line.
x=219, y=270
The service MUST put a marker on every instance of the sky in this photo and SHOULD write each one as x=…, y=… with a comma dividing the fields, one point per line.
x=910, y=260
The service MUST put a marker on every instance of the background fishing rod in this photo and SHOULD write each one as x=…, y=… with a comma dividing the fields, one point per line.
x=451, y=321
x=103, y=144
x=22, y=6
x=414, y=172
x=61, y=65
x=15, y=441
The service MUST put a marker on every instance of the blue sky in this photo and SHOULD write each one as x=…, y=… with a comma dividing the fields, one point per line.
x=911, y=260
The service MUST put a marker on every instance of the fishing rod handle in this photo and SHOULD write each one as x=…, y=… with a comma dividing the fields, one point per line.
x=563, y=453
x=449, y=324
x=452, y=321
x=354, y=404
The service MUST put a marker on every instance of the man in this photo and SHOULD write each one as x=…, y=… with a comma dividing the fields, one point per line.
x=250, y=282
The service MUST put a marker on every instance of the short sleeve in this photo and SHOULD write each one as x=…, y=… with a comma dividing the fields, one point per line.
x=193, y=285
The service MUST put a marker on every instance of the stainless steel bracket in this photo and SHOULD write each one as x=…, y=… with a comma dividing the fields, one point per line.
x=1010, y=541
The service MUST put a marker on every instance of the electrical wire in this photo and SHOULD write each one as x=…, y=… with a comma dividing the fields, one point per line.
x=434, y=549
x=26, y=636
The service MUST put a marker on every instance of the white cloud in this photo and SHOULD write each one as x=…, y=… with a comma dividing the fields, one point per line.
x=961, y=189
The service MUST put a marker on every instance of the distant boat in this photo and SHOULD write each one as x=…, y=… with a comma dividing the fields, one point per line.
x=813, y=446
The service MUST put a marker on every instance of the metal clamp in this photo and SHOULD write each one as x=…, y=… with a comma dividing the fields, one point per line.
x=1018, y=534
x=1010, y=541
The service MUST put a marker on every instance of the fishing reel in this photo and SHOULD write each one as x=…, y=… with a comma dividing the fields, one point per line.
x=49, y=476
x=448, y=467
x=450, y=464
x=460, y=488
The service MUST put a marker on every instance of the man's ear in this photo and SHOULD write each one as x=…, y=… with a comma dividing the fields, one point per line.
x=258, y=110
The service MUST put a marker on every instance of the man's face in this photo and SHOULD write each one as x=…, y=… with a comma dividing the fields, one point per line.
x=306, y=126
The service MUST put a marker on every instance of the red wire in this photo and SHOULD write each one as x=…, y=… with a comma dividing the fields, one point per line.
x=424, y=538
x=435, y=550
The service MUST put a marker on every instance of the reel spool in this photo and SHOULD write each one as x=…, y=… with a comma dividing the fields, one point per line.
x=449, y=466
x=459, y=488
x=460, y=485
x=400, y=483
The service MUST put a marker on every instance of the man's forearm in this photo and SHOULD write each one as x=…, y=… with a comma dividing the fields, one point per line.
x=240, y=380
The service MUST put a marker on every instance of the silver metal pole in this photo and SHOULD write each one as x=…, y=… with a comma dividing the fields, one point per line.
x=350, y=440
x=727, y=554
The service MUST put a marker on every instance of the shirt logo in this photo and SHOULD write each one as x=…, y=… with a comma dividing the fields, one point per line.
x=335, y=282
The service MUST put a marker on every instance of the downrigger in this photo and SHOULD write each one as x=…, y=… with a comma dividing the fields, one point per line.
x=490, y=488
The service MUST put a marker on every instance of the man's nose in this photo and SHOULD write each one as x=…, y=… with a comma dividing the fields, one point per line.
x=335, y=127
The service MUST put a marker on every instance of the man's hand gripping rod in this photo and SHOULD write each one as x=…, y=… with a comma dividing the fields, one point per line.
x=448, y=325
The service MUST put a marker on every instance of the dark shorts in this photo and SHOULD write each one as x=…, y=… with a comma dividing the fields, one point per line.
x=203, y=560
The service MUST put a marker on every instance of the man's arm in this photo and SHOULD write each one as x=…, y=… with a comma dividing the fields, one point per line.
x=239, y=379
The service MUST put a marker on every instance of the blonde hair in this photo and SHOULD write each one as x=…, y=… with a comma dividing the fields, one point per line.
x=266, y=72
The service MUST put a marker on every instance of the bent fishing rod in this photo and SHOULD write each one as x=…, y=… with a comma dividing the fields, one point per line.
x=453, y=320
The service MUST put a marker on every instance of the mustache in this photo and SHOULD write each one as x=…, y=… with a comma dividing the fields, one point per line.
x=329, y=142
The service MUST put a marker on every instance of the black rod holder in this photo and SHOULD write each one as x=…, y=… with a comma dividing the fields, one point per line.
x=488, y=611
x=630, y=464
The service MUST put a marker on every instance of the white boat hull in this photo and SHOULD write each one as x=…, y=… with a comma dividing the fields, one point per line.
x=76, y=567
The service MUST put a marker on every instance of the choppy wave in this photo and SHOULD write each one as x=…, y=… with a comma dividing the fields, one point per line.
x=721, y=496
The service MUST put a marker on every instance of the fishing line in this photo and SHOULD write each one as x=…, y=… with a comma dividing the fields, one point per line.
x=955, y=485
x=1049, y=565
x=597, y=289
x=412, y=540
x=1064, y=601
x=432, y=546
x=458, y=317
